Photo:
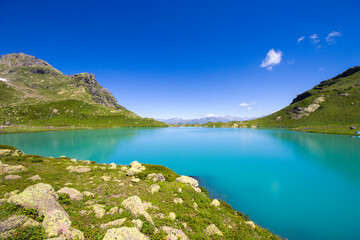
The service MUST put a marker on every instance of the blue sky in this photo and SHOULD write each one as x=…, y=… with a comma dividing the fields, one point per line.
x=189, y=59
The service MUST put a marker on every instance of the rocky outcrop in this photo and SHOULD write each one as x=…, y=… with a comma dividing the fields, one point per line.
x=155, y=177
x=21, y=60
x=124, y=233
x=188, y=180
x=99, y=94
x=135, y=167
x=72, y=192
x=134, y=205
x=299, y=112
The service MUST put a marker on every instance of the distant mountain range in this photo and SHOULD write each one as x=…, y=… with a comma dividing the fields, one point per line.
x=204, y=120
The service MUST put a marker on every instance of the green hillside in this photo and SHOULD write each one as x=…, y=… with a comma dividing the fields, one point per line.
x=331, y=107
x=36, y=96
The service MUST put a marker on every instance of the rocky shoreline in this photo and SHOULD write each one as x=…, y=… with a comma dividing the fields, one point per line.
x=63, y=198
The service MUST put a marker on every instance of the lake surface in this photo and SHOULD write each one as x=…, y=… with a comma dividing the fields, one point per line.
x=298, y=185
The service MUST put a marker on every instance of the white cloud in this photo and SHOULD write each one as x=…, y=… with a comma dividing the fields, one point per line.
x=315, y=38
x=301, y=39
x=272, y=58
x=249, y=108
x=330, y=37
x=244, y=104
x=211, y=115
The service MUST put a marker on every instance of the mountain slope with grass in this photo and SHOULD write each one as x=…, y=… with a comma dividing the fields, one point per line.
x=35, y=95
x=330, y=107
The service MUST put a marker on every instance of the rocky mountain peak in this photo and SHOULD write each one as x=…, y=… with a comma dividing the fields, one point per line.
x=21, y=60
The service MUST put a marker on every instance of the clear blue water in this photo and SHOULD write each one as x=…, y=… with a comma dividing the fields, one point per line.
x=298, y=185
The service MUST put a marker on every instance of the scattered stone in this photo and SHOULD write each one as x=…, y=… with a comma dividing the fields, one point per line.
x=154, y=188
x=68, y=184
x=156, y=177
x=251, y=224
x=121, y=184
x=98, y=210
x=35, y=178
x=174, y=233
x=135, y=180
x=172, y=215
x=115, y=223
x=135, y=206
x=197, y=189
x=188, y=180
x=73, y=160
x=113, y=211
x=88, y=194
x=78, y=169
x=9, y=152
x=137, y=165
x=106, y=178
x=56, y=222
x=179, y=190
x=123, y=168
x=352, y=127
x=178, y=200
x=72, y=192
x=86, y=161
x=195, y=205
x=124, y=233
x=84, y=212
x=138, y=223
x=132, y=171
x=213, y=230
x=12, y=177
x=159, y=215
x=215, y=203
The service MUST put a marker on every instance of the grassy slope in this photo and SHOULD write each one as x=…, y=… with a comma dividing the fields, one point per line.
x=340, y=109
x=28, y=100
x=111, y=194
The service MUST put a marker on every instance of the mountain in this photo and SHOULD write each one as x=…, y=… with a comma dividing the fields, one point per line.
x=331, y=107
x=35, y=94
x=203, y=120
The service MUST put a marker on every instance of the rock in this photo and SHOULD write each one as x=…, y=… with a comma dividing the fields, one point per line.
x=12, y=177
x=135, y=180
x=56, y=222
x=78, y=169
x=12, y=193
x=73, y=160
x=113, y=211
x=123, y=168
x=115, y=223
x=156, y=177
x=35, y=178
x=195, y=205
x=215, y=203
x=251, y=224
x=197, y=189
x=178, y=200
x=159, y=215
x=68, y=184
x=138, y=223
x=172, y=231
x=132, y=171
x=72, y=233
x=352, y=127
x=88, y=194
x=15, y=221
x=8, y=169
x=213, y=230
x=188, y=180
x=86, y=161
x=9, y=152
x=179, y=190
x=137, y=165
x=112, y=166
x=98, y=210
x=154, y=188
x=106, y=178
x=172, y=216
x=125, y=233
x=135, y=206
x=74, y=194
x=41, y=197
x=84, y=212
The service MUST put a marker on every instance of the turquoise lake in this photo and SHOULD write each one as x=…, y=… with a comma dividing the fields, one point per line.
x=298, y=185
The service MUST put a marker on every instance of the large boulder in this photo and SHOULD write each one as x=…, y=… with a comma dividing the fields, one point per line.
x=72, y=192
x=134, y=205
x=126, y=233
x=188, y=180
x=174, y=233
x=56, y=222
x=115, y=223
x=98, y=210
x=42, y=197
x=215, y=203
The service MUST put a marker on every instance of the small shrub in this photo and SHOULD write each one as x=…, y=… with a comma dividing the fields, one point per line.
x=204, y=191
x=159, y=236
x=64, y=199
x=7, y=147
x=31, y=233
x=147, y=228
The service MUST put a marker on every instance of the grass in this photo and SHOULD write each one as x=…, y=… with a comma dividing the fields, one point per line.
x=111, y=193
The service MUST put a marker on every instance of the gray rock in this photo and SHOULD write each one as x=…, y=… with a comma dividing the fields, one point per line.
x=106, y=178
x=112, y=166
x=113, y=211
x=251, y=224
x=172, y=215
x=72, y=192
x=8, y=169
x=98, y=210
x=154, y=188
x=115, y=223
x=188, y=180
x=178, y=200
x=15, y=221
x=134, y=205
x=12, y=177
x=89, y=194
x=352, y=127
x=215, y=203
x=172, y=232
x=41, y=197
x=213, y=230
x=56, y=222
x=135, y=180
x=35, y=178
x=125, y=233
x=78, y=169
x=138, y=223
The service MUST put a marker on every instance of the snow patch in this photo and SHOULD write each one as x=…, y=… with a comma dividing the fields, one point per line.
x=3, y=79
